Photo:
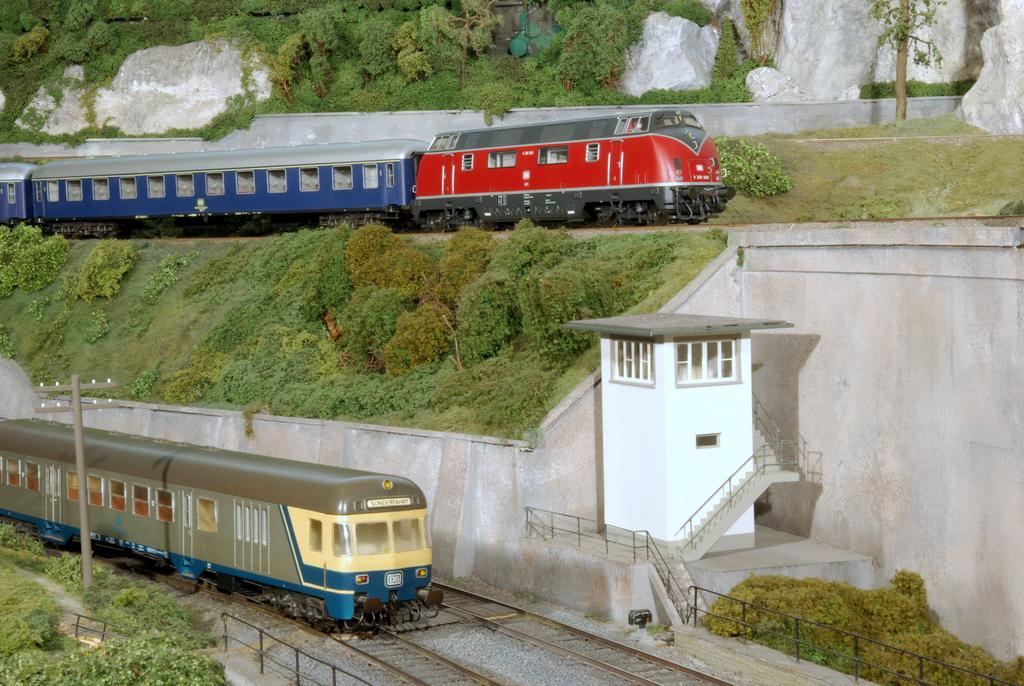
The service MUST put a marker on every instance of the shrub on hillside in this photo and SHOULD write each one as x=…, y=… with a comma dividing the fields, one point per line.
x=30, y=615
x=594, y=45
x=529, y=247
x=421, y=336
x=1012, y=208
x=7, y=347
x=368, y=322
x=466, y=256
x=187, y=385
x=488, y=317
x=375, y=256
x=106, y=265
x=566, y=292
x=29, y=261
x=751, y=168
x=27, y=45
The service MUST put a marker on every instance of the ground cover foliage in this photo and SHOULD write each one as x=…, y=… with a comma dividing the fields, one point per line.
x=461, y=334
x=897, y=615
x=351, y=55
x=162, y=637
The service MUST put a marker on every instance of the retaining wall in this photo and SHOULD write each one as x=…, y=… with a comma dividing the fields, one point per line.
x=735, y=119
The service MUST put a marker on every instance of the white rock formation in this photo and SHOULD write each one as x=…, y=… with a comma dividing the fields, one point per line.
x=184, y=87
x=770, y=85
x=996, y=102
x=57, y=115
x=673, y=54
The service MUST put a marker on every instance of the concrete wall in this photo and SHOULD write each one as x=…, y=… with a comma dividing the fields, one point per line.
x=904, y=375
x=737, y=119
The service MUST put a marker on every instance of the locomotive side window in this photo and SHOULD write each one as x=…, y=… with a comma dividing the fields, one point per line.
x=389, y=171
x=52, y=191
x=245, y=182
x=372, y=538
x=553, y=156
x=95, y=485
x=101, y=189
x=342, y=540
x=13, y=472
x=316, y=535
x=691, y=121
x=309, y=179
x=665, y=121
x=214, y=183
x=74, y=189
x=342, y=178
x=128, y=189
x=117, y=499
x=12, y=196
x=164, y=505
x=407, y=535
x=208, y=515
x=277, y=181
x=32, y=476
x=593, y=152
x=444, y=142
x=184, y=186
x=467, y=162
x=155, y=186
x=72, y=486
x=371, y=176
x=140, y=500
x=632, y=125
x=501, y=159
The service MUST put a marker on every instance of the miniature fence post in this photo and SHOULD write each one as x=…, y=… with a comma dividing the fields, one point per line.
x=261, y=651
x=856, y=657
x=743, y=613
x=797, y=639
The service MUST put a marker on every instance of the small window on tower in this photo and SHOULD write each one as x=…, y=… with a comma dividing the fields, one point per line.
x=708, y=440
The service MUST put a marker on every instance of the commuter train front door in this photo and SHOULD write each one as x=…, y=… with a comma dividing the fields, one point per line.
x=252, y=536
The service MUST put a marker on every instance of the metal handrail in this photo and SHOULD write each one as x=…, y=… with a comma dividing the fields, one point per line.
x=857, y=661
x=265, y=656
x=761, y=455
x=104, y=631
x=770, y=428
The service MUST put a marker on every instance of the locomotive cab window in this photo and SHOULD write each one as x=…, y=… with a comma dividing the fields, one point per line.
x=342, y=178
x=501, y=159
x=245, y=182
x=467, y=162
x=164, y=505
x=371, y=176
x=372, y=538
x=627, y=125
x=593, y=152
x=184, y=186
x=117, y=495
x=316, y=535
x=32, y=476
x=74, y=190
x=95, y=485
x=127, y=188
x=52, y=191
x=445, y=141
x=140, y=500
x=277, y=181
x=13, y=472
x=553, y=155
x=214, y=183
x=342, y=540
x=208, y=515
x=691, y=121
x=72, y=486
x=407, y=535
x=309, y=180
x=156, y=187
x=101, y=189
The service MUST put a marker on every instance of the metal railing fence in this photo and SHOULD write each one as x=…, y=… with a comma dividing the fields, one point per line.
x=105, y=630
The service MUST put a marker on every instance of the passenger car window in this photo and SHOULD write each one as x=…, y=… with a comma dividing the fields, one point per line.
x=32, y=476
x=372, y=538
x=72, y=486
x=277, y=181
x=13, y=472
x=52, y=191
x=184, y=186
x=389, y=170
x=371, y=176
x=245, y=182
x=12, y=194
x=342, y=540
x=208, y=515
x=342, y=178
x=128, y=189
x=214, y=183
x=164, y=505
x=407, y=535
x=309, y=179
x=74, y=189
x=117, y=500
x=140, y=500
x=155, y=187
x=95, y=485
x=101, y=189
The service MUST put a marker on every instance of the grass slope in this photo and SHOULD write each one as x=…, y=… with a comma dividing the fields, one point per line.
x=239, y=326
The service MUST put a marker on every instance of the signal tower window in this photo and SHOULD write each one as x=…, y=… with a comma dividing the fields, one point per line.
x=316, y=535
x=52, y=191
x=309, y=180
x=371, y=176
x=127, y=188
x=553, y=156
x=156, y=187
x=72, y=486
x=214, y=183
x=95, y=485
x=501, y=159
x=184, y=186
x=140, y=500
x=467, y=162
x=208, y=515
x=245, y=182
x=74, y=190
x=633, y=361
x=13, y=472
x=12, y=194
x=710, y=361
x=32, y=476
x=101, y=189
x=164, y=505
x=342, y=178
x=593, y=152
x=277, y=181
x=117, y=496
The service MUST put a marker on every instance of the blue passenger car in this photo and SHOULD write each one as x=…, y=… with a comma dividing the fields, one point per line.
x=15, y=198
x=371, y=177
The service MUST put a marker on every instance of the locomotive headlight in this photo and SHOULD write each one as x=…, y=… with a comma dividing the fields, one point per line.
x=421, y=573
x=362, y=579
x=700, y=167
x=388, y=484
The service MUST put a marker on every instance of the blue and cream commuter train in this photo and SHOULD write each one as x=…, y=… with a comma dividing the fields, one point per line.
x=339, y=548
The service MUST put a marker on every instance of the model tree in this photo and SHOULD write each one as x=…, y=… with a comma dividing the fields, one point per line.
x=472, y=30
x=903, y=21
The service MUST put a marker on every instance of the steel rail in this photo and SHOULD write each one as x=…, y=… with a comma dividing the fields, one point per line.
x=579, y=633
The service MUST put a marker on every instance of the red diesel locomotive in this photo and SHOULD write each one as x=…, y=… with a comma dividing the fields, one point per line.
x=635, y=168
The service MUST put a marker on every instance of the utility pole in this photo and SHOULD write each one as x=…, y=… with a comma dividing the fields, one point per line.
x=83, y=485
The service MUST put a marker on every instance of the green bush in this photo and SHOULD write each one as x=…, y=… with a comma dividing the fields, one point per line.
x=106, y=265
x=466, y=256
x=915, y=89
x=421, y=336
x=368, y=322
x=142, y=387
x=98, y=326
x=690, y=9
x=187, y=385
x=167, y=274
x=375, y=256
x=1012, y=209
x=8, y=348
x=593, y=47
x=28, y=45
x=529, y=247
x=29, y=261
x=751, y=168
x=488, y=317
x=29, y=615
